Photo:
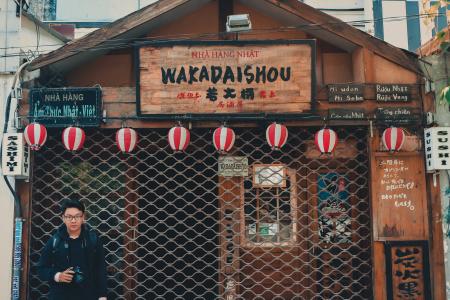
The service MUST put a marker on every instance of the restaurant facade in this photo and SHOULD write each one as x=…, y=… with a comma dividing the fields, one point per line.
x=284, y=162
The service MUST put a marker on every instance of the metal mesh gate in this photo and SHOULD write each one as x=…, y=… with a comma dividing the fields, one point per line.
x=297, y=227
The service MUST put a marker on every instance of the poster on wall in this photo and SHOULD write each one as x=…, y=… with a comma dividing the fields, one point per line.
x=334, y=208
x=226, y=77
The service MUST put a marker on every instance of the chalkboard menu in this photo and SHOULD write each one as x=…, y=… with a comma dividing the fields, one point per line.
x=346, y=114
x=393, y=92
x=345, y=93
x=407, y=272
x=399, y=199
x=66, y=106
x=397, y=115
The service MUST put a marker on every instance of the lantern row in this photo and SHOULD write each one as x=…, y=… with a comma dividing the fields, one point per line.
x=223, y=138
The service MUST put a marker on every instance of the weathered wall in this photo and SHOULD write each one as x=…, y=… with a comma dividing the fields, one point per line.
x=333, y=65
x=114, y=69
x=439, y=72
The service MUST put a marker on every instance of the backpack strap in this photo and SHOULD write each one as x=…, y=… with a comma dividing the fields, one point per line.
x=56, y=239
x=92, y=240
x=55, y=242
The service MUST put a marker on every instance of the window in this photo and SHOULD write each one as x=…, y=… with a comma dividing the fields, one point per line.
x=269, y=206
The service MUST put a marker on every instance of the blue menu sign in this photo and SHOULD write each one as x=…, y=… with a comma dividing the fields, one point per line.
x=62, y=107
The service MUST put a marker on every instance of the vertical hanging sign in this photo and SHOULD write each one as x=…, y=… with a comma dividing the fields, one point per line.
x=15, y=156
x=437, y=148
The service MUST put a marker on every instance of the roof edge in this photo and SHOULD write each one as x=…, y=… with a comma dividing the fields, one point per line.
x=44, y=26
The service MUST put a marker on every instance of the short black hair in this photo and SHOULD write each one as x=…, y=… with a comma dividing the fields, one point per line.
x=69, y=203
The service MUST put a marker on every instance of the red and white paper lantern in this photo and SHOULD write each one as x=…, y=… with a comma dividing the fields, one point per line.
x=393, y=138
x=179, y=138
x=276, y=135
x=126, y=139
x=326, y=140
x=73, y=138
x=223, y=139
x=35, y=135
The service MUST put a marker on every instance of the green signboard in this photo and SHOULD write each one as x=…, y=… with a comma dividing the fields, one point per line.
x=63, y=107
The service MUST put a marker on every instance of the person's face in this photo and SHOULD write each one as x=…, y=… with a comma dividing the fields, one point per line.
x=73, y=218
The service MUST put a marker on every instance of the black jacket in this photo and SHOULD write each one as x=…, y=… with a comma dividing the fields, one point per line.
x=55, y=259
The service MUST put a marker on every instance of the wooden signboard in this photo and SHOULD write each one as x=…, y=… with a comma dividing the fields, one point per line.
x=393, y=92
x=399, y=197
x=347, y=114
x=397, y=115
x=227, y=77
x=61, y=107
x=407, y=271
x=233, y=166
x=345, y=93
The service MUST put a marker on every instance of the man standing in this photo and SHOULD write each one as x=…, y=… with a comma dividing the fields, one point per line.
x=73, y=260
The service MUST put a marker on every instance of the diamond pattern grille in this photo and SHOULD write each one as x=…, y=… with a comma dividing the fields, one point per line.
x=174, y=229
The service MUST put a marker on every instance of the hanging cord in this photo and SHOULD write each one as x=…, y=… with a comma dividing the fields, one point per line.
x=18, y=221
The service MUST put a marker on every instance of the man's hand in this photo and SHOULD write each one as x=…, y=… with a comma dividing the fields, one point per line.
x=66, y=276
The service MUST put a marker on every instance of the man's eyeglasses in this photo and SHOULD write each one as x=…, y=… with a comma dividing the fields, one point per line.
x=71, y=218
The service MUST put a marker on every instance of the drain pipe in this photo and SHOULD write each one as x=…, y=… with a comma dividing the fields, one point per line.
x=18, y=221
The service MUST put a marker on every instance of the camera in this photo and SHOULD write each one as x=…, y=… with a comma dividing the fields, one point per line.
x=78, y=276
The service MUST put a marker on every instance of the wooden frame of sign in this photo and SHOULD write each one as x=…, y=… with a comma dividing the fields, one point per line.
x=233, y=79
x=345, y=93
x=399, y=200
x=257, y=183
x=294, y=215
x=61, y=107
x=407, y=270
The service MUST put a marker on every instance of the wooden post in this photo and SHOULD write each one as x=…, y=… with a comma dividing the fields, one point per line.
x=437, y=265
x=24, y=192
x=378, y=255
x=131, y=223
x=229, y=228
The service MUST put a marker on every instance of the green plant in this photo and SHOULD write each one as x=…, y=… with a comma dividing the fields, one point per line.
x=445, y=94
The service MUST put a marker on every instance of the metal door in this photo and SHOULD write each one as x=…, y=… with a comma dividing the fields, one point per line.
x=174, y=229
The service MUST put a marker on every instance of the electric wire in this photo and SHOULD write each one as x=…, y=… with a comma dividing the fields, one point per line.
x=120, y=42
